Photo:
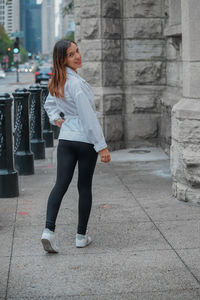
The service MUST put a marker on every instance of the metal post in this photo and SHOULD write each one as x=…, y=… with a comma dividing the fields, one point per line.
x=37, y=142
x=17, y=71
x=48, y=134
x=8, y=175
x=24, y=158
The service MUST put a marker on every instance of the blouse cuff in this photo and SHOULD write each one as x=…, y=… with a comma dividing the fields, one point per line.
x=53, y=118
x=100, y=146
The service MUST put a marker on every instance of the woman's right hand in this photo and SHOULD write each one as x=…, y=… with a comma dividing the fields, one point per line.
x=59, y=122
x=105, y=155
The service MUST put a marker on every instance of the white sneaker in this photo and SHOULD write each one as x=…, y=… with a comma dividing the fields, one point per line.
x=82, y=240
x=48, y=241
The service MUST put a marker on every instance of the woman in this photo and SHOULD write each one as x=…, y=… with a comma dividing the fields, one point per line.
x=80, y=139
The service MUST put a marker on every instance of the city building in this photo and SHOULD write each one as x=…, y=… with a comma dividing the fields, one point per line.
x=48, y=26
x=10, y=15
x=30, y=25
x=143, y=61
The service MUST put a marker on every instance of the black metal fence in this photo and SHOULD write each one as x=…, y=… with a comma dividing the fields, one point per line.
x=32, y=132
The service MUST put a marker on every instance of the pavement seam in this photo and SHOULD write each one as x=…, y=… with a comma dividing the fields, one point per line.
x=11, y=252
x=115, y=294
x=183, y=262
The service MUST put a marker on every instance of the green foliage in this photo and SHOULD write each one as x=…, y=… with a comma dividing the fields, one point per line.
x=5, y=42
x=70, y=37
x=23, y=55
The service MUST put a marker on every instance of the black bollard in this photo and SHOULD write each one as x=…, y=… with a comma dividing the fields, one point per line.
x=48, y=134
x=24, y=158
x=8, y=175
x=56, y=131
x=37, y=142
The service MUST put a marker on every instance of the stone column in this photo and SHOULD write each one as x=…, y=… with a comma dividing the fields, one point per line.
x=185, y=148
x=144, y=70
x=99, y=34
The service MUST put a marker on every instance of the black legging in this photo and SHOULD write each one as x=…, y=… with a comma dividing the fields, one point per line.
x=68, y=153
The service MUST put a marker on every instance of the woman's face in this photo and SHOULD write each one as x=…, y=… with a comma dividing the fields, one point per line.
x=73, y=58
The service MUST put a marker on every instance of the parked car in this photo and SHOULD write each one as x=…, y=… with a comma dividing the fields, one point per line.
x=43, y=74
x=2, y=74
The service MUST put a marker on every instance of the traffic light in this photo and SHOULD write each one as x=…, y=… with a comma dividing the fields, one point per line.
x=16, y=46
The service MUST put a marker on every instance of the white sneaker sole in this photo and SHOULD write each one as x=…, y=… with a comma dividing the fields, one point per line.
x=83, y=246
x=47, y=246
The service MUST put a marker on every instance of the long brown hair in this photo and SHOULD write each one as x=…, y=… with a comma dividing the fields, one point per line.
x=58, y=79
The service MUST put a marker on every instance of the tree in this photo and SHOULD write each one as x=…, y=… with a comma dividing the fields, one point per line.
x=5, y=42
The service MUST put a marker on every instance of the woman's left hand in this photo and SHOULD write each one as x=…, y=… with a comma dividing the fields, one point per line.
x=105, y=155
x=59, y=122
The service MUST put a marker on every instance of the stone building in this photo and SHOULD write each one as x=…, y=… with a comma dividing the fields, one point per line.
x=142, y=58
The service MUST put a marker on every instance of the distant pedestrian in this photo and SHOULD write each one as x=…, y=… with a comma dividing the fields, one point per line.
x=80, y=139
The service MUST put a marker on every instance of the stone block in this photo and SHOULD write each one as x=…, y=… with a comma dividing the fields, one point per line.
x=77, y=15
x=191, y=79
x=184, y=193
x=112, y=73
x=143, y=28
x=174, y=12
x=77, y=3
x=140, y=103
x=143, y=9
x=90, y=28
x=111, y=50
x=187, y=109
x=113, y=125
x=111, y=9
x=171, y=51
x=77, y=36
x=191, y=30
x=165, y=128
x=91, y=50
x=187, y=131
x=111, y=28
x=91, y=72
x=98, y=102
x=90, y=9
x=112, y=104
x=143, y=126
x=176, y=163
x=191, y=160
x=144, y=49
x=113, y=97
x=174, y=73
x=144, y=73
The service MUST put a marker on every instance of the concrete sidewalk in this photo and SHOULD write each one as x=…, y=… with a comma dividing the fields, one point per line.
x=146, y=244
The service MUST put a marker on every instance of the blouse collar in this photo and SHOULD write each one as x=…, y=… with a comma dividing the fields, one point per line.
x=73, y=73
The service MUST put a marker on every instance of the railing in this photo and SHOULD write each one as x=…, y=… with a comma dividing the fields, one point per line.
x=32, y=133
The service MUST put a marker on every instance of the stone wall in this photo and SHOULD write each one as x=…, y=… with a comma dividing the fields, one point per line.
x=144, y=70
x=185, y=148
x=99, y=34
x=132, y=57
x=173, y=91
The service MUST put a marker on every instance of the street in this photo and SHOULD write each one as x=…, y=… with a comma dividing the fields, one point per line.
x=9, y=84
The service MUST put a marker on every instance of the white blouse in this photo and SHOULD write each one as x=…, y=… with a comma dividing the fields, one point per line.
x=81, y=123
